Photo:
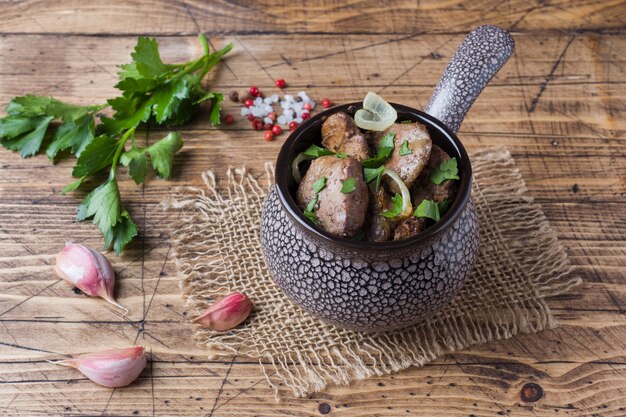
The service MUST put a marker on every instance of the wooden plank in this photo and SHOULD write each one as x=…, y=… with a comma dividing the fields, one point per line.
x=271, y=17
x=562, y=119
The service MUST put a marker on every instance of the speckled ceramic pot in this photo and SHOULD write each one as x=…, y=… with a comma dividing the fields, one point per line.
x=383, y=286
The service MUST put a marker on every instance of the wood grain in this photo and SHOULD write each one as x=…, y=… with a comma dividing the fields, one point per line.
x=327, y=16
x=558, y=105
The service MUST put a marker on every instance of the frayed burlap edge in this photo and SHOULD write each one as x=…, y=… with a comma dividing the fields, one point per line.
x=208, y=270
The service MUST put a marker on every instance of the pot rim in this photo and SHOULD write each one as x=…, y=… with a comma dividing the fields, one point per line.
x=289, y=150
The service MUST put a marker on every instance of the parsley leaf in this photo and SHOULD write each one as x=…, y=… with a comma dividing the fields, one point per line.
x=447, y=170
x=311, y=206
x=162, y=154
x=29, y=123
x=75, y=135
x=404, y=149
x=317, y=151
x=443, y=206
x=348, y=185
x=309, y=212
x=384, y=150
x=137, y=163
x=121, y=234
x=341, y=155
x=319, y=185
x=97, y=156
x=311, y=216
x=396, y=209
x=24, y=135
x=146, y=60
x=428, y=209
x=372, y=174
x=105, y=206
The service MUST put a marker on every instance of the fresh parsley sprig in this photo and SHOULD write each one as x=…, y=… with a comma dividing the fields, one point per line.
x=447, y=170
x=396, y=209
x=152, y=92
x=383, y=152
x=432, y=209
x=348, y=185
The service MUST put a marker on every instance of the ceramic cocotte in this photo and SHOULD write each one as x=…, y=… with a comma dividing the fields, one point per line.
x=369, y=286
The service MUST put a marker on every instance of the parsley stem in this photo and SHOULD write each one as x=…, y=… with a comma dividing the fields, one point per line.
x=120, y=148
x=205, y=44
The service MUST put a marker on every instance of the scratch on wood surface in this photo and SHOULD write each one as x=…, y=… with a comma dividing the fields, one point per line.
x=345, y=51
x=152, y=381
x=219, y=392
x=544, y=84
x=244, y=390
x=389, y=84
x=108, y=402
x=261, y=67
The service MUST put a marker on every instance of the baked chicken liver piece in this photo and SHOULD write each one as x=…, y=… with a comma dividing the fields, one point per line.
x=408, y=166
x=338, y=213
x=423, y=188
x=340, y=134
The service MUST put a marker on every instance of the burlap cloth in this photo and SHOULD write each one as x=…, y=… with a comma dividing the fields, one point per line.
x=217, y=251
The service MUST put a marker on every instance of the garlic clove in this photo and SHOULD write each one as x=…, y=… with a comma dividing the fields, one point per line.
x=226, y=313
x=111, y=368
x=88, y=270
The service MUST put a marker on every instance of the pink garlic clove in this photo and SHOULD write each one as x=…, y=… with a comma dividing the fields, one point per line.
x=88, y=270
x=111, y=368
x=226, y=313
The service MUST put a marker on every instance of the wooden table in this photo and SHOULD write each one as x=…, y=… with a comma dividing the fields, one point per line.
x=559, y=105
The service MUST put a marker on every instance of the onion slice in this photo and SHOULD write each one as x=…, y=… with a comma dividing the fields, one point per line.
x=407, y=207
x=295, y=165
x=376, y=114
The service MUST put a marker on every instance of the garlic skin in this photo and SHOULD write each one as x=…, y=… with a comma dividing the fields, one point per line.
x=88, y=270
x=111, y=368
x=226, y=313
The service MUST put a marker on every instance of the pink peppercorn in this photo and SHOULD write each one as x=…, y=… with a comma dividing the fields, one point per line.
x=277, y=130
x=305, y=115
x=229, y=119
x=248, y=103
x=257, y=124
x=269, y=135
x=280, y=83
x=326, y=103
x=307, y=106
x=254, y=91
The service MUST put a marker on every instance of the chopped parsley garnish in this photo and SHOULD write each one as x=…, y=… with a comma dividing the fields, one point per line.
x=396, y=209
x=428, y=209
x=319, y=185
x=341, y=155
x=383, y=152
x=348, y=185
x=404, y=149
x=317, y=151
x=311, y=216
x=372, y=174
x=443, y=206
x=309, y=212
x=447, y=170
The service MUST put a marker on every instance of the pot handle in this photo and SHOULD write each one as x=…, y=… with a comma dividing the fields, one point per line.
x=483, y=52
